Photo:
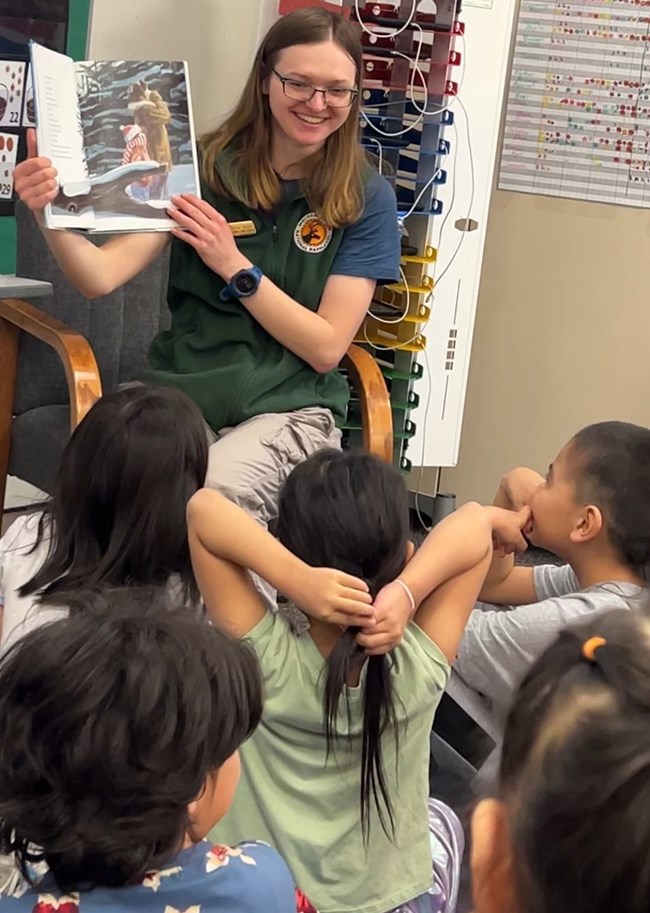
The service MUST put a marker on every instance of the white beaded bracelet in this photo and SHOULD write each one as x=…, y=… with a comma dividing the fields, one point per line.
x=409, y=594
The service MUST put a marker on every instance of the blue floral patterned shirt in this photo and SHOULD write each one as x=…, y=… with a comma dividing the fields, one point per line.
x=249, y=878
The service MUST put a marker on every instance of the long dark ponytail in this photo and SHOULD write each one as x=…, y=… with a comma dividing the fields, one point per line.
x=349, y=510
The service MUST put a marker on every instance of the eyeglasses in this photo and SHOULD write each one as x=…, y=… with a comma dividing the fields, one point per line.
x=335, y=96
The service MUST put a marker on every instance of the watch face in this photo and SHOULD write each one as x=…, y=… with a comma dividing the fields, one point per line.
x=245, y=283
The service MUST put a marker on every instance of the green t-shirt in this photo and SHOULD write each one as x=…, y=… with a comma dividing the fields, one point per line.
x=307, y=807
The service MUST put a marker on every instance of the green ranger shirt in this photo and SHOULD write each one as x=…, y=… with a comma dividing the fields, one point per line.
x=217, y=353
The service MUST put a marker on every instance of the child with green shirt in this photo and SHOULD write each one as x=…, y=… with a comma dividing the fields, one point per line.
x=336, y=776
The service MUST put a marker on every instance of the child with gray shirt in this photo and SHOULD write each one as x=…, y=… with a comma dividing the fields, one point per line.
x=592, y=510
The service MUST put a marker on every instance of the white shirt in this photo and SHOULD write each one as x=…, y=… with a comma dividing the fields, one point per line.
x=19, y=561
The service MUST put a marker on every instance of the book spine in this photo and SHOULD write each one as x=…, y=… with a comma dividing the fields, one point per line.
x=190, y=115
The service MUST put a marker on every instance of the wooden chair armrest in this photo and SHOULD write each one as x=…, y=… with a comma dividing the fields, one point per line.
x=376, y=415
x=82, y=373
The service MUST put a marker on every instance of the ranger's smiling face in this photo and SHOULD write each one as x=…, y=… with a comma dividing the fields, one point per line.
x=308, y=124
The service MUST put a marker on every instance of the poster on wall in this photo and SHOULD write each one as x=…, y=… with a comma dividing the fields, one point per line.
x=12, y=90
x=578, y=115
x=8, y=150
x=45, y=21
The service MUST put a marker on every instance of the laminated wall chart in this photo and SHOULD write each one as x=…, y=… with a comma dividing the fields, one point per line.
x=578, y=115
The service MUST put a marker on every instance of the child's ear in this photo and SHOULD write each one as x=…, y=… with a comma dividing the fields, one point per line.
x=493, y=883
x=193, y=813
x=588, y=525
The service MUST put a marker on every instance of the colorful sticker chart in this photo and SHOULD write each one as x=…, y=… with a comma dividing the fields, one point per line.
x=578, y=115
x=8, y=149
x=12, y=86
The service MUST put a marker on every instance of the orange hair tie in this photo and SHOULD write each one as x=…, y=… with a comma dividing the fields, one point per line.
x=590, y=646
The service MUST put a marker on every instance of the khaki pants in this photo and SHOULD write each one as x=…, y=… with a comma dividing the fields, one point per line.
x=250, y=462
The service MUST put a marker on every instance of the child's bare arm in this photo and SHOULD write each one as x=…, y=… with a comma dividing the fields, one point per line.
x=456, y=547
x=452, y=547
x=443, y=615
x=506, y=584
x=226, y=543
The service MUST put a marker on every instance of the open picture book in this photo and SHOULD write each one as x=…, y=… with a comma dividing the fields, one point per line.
x=121, y=136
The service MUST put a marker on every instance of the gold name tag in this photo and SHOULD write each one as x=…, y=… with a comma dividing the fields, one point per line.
x=242, y=229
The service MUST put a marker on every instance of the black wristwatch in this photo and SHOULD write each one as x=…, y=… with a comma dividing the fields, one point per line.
x=243, y=284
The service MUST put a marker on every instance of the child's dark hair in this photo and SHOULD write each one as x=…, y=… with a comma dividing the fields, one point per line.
x=117, y=513
x=575, y=772
x=110, y=722
x=613, y=472
x=349, y=510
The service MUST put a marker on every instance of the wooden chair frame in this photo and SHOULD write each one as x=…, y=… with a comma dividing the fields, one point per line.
x=84, y=383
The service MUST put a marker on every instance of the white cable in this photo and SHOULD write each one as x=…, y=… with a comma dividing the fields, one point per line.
x=452, y=169
x=421, y=194
x=424, y=440
x=388, y=33
x=471, y=196
x=437, y=283
x=406, y=309
x=420, y=117
x=394, y=347
x=372, y=139
x=422, y=113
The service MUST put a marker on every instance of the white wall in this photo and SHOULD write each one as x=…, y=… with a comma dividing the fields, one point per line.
x=561, y=334
x=218, y=39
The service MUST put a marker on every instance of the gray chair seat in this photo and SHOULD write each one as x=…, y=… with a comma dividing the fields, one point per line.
x=38, y=465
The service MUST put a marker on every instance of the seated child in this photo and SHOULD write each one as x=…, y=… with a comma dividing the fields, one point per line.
x=117, y=512
x=336, y=776
x=119, y=735
x=570, y=829
x=593, y=511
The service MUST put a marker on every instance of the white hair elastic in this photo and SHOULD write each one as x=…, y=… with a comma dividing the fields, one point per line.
x=409, y=594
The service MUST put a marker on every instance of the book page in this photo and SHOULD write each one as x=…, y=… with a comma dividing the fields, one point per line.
x=57, y=114
x=139, y=140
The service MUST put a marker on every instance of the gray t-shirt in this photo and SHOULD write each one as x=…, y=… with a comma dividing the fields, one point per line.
x=499, y=644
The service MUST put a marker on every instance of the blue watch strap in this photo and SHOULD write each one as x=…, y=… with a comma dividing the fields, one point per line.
x=230, y=291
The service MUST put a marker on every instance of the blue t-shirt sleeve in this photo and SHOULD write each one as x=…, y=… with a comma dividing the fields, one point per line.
x=370, y=248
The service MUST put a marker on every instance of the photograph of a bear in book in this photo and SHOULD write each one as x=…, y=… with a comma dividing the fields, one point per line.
x=121, y=137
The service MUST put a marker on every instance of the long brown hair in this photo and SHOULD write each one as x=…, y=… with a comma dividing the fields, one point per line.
x=334, y=185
